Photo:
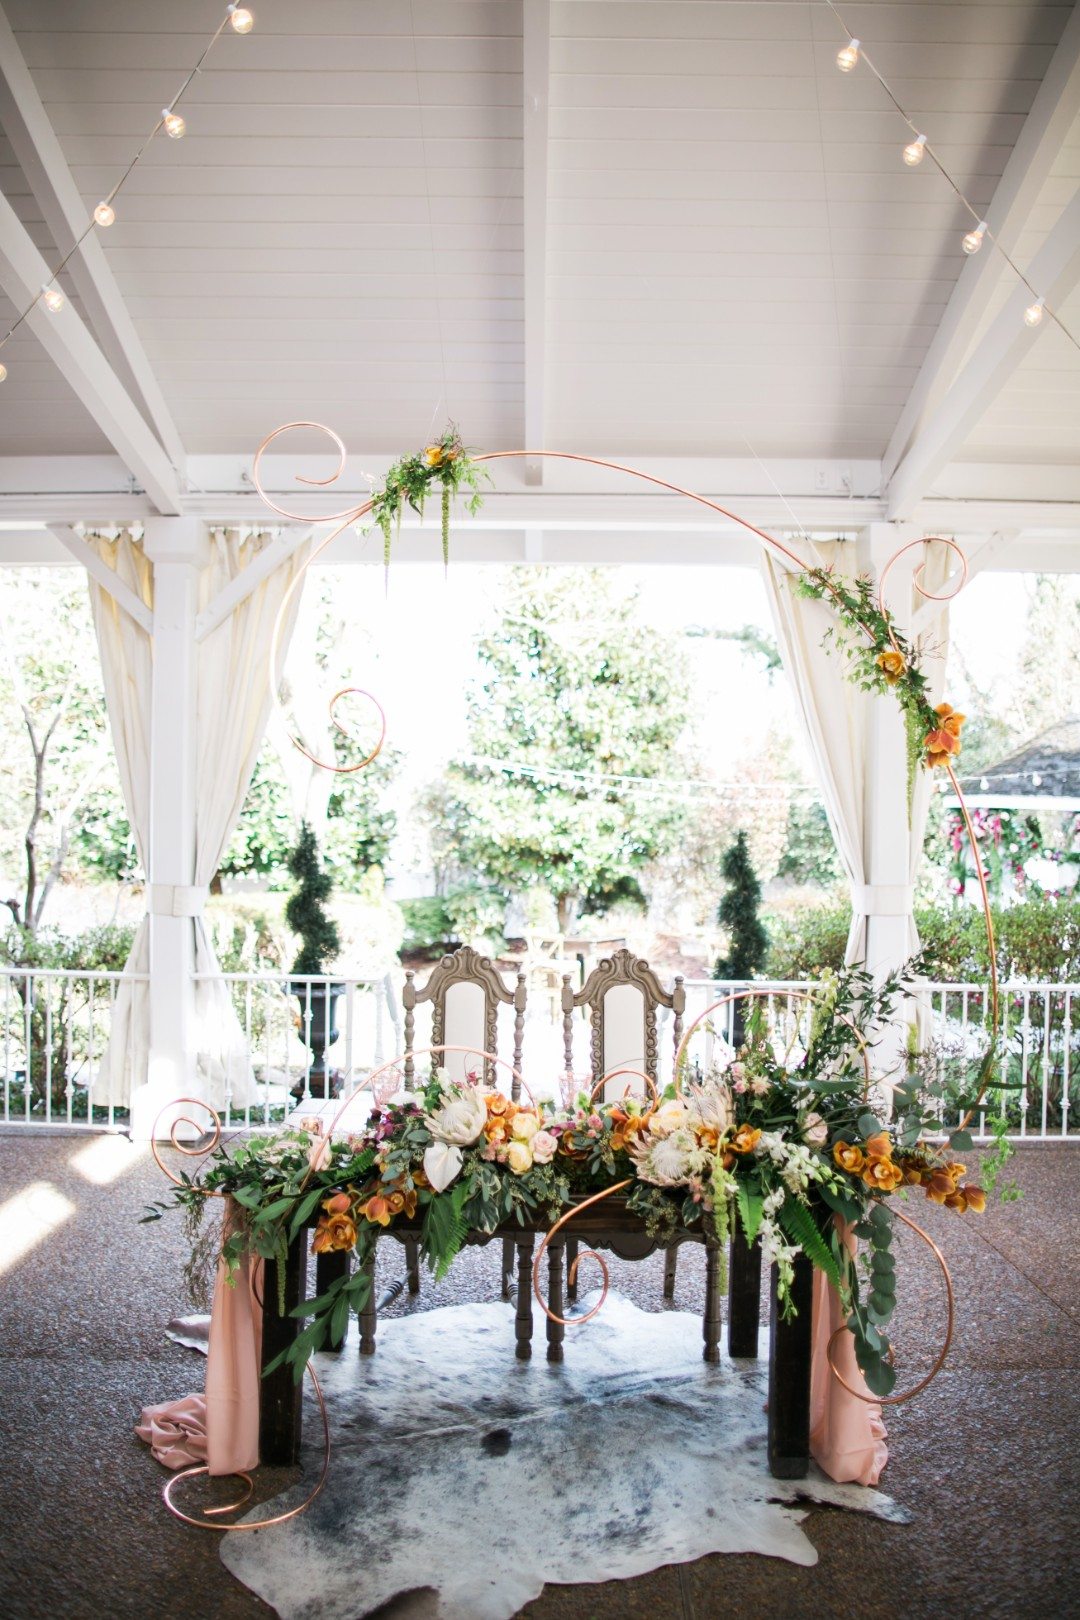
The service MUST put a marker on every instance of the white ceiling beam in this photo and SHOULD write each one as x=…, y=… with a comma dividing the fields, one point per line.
x=106, y=577
x=41, y=158
x=68, y=343
x=274, y=553
x=536, y=56
x=1052, y=115
x=1055, y=271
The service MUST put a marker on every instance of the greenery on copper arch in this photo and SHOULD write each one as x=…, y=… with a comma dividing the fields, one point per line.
x=445, y=463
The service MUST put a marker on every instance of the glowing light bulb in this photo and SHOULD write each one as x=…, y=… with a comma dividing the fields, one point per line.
x=104, y=214
x=1034, y=313
x=174, y=124
x=52, y=298
x=242, y=19
x=3, y=371
x=973, y=241
x=915, y=151
x=848, y=59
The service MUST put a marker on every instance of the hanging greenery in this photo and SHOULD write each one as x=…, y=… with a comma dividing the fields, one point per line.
x=445, y=463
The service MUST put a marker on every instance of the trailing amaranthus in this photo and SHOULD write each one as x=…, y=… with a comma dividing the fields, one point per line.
x=445, y=463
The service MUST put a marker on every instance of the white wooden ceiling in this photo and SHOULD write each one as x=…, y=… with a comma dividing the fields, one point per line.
x=731, y=258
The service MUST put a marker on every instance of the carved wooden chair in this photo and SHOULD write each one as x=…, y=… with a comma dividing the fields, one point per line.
x=465, y=990
x=622, y=996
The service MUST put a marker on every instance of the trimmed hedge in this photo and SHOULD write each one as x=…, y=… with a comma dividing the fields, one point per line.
x=1036, y=939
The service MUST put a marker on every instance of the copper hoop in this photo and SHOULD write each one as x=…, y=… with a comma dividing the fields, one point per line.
x=182, y=1147
x=591, y=1254
x=898, y=1400
x=617, y=1074
x=231, y=1507
x=916, y=578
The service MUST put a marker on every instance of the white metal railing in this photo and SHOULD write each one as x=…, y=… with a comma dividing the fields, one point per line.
x=274, y=1011
x=1040, y=1048
x=55, y=1023
x=54, y=1026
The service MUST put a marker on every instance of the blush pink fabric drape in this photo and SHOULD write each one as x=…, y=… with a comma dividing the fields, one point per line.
x=221, y=1428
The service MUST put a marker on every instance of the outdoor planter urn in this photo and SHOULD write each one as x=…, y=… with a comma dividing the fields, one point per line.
x=318, y=1031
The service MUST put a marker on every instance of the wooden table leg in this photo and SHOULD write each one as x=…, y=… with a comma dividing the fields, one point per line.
x=507, y=1266
x=671, y=1261
x=571, y=1270
x=710, y=1322
x=744, y=1295
x=280, y=1395
x=789, y=1378
x=368, y=1314
x=556, y=1332
x=328, y=1268
x=412, y=1264
x=523, y=1321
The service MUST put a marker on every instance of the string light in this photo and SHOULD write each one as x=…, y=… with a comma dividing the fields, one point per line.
x=915, y=151
x=973, y=241
x=242, y=20
x=846, y=60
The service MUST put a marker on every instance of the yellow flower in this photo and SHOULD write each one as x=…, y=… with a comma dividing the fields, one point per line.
x=377, y=1210
x=745, y=1140
x=893, y=665
x=882, y=1175
x=338, y=1204
x=944, y=740
x=433, y=454
x=334, y=1232
x=849, y=1157
x=879, y=1146
x=976, y=1199
x=519, y=1157
x=525, y=1126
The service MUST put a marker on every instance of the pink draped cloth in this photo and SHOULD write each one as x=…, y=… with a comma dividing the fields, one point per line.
x=847, y=1436
x=221, y=1427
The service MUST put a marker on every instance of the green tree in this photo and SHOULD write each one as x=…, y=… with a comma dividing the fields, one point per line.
x=738, y=913
x=581, y=710
x=60, y=801
x=306, y=912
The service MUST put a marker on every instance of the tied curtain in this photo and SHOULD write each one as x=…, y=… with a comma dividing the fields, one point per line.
x=232, y=706
x=837, y=717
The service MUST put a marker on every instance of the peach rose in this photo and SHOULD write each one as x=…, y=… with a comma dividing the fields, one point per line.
x=519, y=1157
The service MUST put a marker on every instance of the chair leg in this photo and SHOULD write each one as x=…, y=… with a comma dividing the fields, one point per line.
x=328, y=1268
x=671, y=1260
x=571, y=1270
x=556, y=1332
x=369, y=1315
x=789, y=1378
x=710, y=1323
x=507, y=1266
x=412, y=1264
x=523, y=1321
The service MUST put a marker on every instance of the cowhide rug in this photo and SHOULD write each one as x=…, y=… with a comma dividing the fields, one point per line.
x=473, y=1479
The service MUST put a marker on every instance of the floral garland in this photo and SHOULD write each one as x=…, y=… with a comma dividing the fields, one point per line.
x=778, y=1137
x=409, y=481
x=882, y=660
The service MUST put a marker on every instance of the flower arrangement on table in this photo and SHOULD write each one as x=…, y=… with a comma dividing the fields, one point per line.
x=779, y=1137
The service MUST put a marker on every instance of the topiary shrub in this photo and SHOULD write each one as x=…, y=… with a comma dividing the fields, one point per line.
x=306, y=912
x=738, y=913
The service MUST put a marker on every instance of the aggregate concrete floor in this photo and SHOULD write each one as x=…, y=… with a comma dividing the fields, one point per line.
x=986, y=1457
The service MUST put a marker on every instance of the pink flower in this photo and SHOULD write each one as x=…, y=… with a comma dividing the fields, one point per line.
x=740, y=1086
x=544, y=1146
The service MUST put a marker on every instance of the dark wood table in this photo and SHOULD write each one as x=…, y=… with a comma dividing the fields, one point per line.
x=608, y=1225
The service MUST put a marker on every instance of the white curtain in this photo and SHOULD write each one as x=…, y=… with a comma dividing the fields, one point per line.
x=232, y=705
x=837, y=718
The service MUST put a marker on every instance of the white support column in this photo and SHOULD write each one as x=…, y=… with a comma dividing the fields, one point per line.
x=889, y=902
x=177, y=547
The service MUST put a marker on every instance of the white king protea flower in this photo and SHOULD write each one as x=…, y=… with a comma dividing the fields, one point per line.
x=668, y=1161
x=709, y=1107
x=460, y=1117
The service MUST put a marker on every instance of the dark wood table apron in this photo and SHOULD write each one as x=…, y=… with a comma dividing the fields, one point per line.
x=608, y=1226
